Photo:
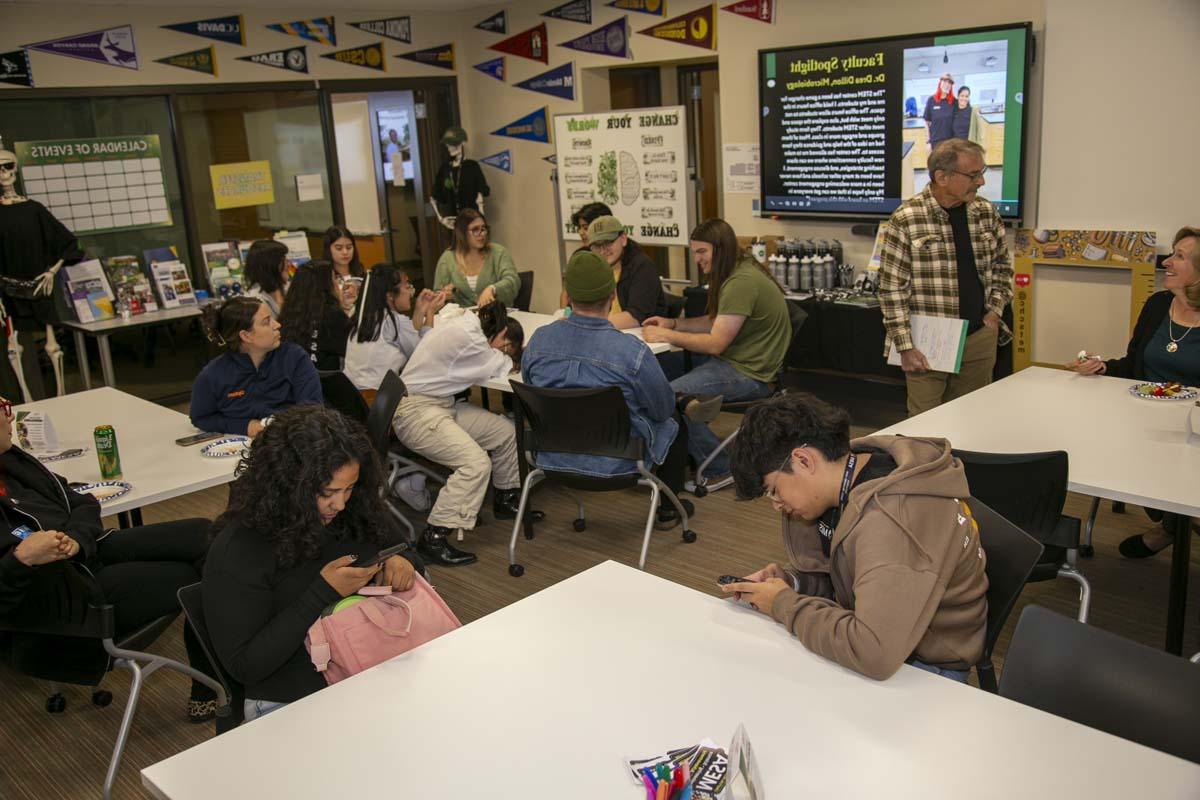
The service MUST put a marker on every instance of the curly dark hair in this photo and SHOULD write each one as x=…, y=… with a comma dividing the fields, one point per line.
x=278, y=480
x=773, y=428
x=309, y=298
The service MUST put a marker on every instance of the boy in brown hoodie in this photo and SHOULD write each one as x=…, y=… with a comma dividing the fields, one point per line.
x=885, y=561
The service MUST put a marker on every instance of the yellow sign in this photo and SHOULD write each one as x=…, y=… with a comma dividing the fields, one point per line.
x=246, y=183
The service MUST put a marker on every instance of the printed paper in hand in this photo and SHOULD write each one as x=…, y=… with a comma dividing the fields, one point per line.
x=940, y=339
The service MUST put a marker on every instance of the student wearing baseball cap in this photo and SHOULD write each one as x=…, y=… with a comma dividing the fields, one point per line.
x=639, y=293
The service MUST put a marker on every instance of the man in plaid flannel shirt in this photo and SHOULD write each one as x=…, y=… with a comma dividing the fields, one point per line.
x=944, y=255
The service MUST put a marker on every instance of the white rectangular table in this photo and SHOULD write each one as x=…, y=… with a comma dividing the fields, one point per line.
x=544, y=698
x=1120, y=447
x=102, y=329
x=156, y=467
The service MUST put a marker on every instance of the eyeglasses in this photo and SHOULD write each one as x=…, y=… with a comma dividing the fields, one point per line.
x=974, y=176
x=480, y=231
x=773, y=494
x=8, y=166
x=6, y=407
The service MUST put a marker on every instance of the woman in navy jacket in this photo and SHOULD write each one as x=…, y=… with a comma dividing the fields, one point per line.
x=255, y=377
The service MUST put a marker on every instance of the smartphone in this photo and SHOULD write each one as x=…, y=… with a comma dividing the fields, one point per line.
x=197, y=438
x=382, y=555
x=725, y=579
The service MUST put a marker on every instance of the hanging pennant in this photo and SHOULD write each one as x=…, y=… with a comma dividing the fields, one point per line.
x=533, y=127
x=14, y=68
x=501, y=160
x=496, y=68
x=574, y=11
x=202, y=60
x=697, y=28
x=398, y=28
x=320, y=29
x=231, y=30
x=369, y=56
x=656, y=7
x=294, y=59
x=608, y=40
x=113, y=46
x=761, y=10
x=559, y=82
x=442, y=56
x=529, y=44
x=497, y=23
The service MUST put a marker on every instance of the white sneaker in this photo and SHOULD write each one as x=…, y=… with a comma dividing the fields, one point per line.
x=411, y=489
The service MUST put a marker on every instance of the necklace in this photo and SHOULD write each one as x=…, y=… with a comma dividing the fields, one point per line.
x=1173, y=345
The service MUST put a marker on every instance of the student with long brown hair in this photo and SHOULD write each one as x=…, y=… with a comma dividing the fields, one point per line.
x=476, y=271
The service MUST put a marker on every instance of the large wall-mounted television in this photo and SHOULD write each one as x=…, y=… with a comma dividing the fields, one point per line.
x=847, y=127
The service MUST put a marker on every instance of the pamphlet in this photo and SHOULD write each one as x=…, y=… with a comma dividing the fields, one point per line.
x=173, y=283
x=126, y=276
x=89, y=291
x=940, y=339
x=708, y=772
x=34, y=431
x=226, y=268
x=298, y=253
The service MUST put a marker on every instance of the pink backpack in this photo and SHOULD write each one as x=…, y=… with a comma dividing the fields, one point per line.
x=377, y=628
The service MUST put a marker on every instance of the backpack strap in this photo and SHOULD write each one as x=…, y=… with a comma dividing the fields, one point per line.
x=371, y=612
x=318, y=650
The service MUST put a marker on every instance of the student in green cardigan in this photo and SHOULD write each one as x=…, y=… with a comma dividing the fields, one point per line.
x=476, y=271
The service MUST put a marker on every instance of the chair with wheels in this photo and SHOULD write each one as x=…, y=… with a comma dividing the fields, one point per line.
x=1029, y=490
x=340, y=395
x=191, y=600
x=555, y=425
x=1012, y=555
x=1104, y=681
x=525, y=293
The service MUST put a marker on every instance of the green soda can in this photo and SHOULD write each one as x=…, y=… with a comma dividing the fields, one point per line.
x=106, y=451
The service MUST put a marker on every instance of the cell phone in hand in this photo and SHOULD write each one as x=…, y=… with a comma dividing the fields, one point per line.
x=197, y=438
x=381, y=556
x=727, y=579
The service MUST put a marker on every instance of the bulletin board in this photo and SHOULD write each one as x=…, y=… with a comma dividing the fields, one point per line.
x=1078, y=289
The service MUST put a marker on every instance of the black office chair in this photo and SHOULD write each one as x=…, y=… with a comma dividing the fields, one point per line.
x=1101, y=680
x=191, y=600
x=1029, y=490
x=1011, y=555
x=593, y=421
x=675, y=305
x=525, y=293
x=341, y=395
x=96, y=621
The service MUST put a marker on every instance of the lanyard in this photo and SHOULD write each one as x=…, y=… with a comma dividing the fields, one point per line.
x=830, y=521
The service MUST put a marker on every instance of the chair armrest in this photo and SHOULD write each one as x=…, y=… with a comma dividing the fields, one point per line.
x=99, y=622
x=1065, y=533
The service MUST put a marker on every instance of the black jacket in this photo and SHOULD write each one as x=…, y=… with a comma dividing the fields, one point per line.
x=1133, y=365
x=639, y=291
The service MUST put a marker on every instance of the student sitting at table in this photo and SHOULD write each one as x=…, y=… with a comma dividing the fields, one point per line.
x=586, y=350
x=639, y=293
x=476, y=271
x=56, y=555
x=580, y=221
x=886, y=566
x=267, y=274
x=1161, y=351
x=313, y=317
x=255, y=377
x=340, y=250
x=742, y=338
x=457, y=354
x=307, y=501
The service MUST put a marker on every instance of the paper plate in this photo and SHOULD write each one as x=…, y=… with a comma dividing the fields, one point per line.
x=1146, y=392
x=106, y=490
x=226, y=448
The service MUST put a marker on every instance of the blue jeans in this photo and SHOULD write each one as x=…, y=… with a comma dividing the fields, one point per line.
x=953, y=674
x=253, y=709
x=715, y=376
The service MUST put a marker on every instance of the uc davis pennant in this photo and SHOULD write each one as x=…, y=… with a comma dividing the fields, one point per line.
x=501, y=160
x=656, y=7
x=398, y=28
x=697, y=28
x=14, y=68
x=231, y=30
x=529, y=44
x=113, y=46
x=495, y=68
x=202, y=60
x=558, y=82
x=320, y=29
x=761, y=10
x=369, y=56
x=533, y=127
x=608, y=40
x=294, y=59
x=496, y=23
x=574, y=11
x=442, y=56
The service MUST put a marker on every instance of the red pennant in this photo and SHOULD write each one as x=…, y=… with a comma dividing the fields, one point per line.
x=697, y=28
x=761, y=10
x=531, y=44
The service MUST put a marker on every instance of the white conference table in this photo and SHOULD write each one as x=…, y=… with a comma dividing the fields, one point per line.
x=546, y=697
x=156, y=467
x=104, y=328
x=1120, y=447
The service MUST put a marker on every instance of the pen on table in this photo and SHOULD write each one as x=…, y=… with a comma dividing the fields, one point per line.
x=651, y=791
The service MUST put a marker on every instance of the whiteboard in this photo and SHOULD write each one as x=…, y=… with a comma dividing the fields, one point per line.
x=634, y=161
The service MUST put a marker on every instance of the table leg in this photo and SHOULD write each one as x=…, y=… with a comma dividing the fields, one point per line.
x=1181, y=557
x=106, y=366
x=85, y=370
x=123, y=521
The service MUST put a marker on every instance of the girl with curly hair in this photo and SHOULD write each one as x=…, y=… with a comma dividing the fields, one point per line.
x=305, y=504
x=314, y=318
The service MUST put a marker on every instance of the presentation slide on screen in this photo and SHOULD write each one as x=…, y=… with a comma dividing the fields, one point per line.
x=847, y=128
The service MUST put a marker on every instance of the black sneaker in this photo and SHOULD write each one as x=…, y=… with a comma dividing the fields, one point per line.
x=506, y=503
x=435, y=548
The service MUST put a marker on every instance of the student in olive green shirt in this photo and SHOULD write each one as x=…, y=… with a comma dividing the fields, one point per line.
x=746, y=332
x=476, y=271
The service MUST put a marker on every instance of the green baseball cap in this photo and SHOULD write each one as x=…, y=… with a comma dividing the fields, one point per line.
x=589, y=277
x=605, y=229
x=454, y=135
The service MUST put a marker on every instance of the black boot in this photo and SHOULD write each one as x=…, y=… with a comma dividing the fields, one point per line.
x=435, y=548
x=506, y=503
